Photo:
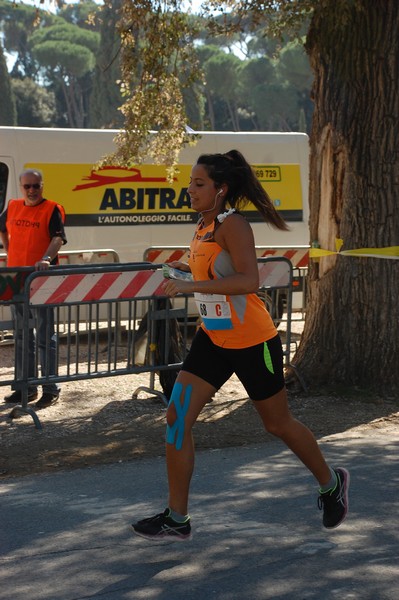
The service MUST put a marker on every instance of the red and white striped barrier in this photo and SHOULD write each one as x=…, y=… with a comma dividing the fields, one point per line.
x=91, y=287
x=164, y=255
x=59, y=289
x=299, y=256
x=275, y=274
x=90, y=256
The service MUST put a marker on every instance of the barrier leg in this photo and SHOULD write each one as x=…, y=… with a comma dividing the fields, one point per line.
x=161, y=344
x=24, y=409
x=19, y=411
x=150, y=390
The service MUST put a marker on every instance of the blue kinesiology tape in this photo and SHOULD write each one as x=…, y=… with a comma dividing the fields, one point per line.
x=175, y=432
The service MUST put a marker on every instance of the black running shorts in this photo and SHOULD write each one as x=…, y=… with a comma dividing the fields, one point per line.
x=259, y=368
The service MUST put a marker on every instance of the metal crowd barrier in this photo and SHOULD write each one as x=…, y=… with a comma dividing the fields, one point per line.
x=276, y=281
x=133, y=289
x=66, y=257
x=111, y=346
x=78, y=257
x=298, y=256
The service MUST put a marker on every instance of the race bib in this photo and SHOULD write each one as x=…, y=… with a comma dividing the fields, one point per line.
x=214, y=311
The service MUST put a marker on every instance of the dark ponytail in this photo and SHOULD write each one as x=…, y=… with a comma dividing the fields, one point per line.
x=232, y=169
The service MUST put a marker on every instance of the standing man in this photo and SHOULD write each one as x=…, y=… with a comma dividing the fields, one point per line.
x=32, y=232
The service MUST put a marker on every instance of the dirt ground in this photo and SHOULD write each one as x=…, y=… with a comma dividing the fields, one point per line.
x=97, y=422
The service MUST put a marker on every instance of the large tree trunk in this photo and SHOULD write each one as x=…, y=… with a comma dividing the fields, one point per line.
x=351, y=333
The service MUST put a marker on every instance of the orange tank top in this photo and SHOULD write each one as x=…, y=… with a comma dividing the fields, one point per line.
x=236, y=321
x=28, y=231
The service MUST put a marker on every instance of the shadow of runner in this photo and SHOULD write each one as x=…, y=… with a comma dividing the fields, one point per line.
x=123, y=430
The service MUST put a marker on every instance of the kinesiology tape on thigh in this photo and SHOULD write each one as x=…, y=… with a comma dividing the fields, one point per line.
x=175, y=432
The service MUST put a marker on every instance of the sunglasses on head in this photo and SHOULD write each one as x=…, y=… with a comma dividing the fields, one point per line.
x=35, y=186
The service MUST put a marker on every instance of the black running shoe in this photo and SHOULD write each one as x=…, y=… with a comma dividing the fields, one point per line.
x=334, y=503
x=162, y=526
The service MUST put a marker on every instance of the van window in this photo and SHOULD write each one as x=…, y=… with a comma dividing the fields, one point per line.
x=3, y=185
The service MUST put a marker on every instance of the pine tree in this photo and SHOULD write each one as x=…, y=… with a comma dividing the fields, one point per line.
x=8, y=113
x=106, y=97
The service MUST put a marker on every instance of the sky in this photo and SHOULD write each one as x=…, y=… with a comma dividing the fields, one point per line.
x=49, y=5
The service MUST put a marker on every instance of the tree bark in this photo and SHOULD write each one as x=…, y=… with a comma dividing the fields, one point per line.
x=351, y=333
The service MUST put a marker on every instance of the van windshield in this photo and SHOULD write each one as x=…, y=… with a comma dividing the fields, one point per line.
x=3, y=185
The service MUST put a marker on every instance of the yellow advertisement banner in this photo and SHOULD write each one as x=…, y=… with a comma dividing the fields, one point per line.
x=143, y=194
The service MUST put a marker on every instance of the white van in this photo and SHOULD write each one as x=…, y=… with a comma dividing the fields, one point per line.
x=133, y=214
x=132, y=209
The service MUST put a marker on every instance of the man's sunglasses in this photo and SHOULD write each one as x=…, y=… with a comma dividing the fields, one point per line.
x=35, y=186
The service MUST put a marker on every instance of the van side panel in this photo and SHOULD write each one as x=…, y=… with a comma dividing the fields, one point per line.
x=132, y=209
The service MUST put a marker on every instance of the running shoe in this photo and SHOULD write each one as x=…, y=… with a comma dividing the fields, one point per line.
x=334, y=503
x=162, y=526
x=16, y=397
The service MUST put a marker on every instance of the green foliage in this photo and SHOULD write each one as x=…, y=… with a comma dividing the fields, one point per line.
x=82, y=14
x=7, y=104
x=17, y=23
x=222, y=74
x=160, y=43
x=293, y=66
x=68, y=58
x=245, y=85
x=194, y=102
x=67, y=54
x=279, y=18
x=106, y=97
x=257, y=71
x=276, y=106
x=157, y=61
x=165, y=67
x=36, y=106
x=206, y=52
x=59, y=54
x=66, y=33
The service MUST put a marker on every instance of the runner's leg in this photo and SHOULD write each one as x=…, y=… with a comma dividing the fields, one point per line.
x=180, y=460
x=278, y=420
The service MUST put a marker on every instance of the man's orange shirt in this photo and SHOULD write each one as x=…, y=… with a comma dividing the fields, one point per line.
x=28, y=231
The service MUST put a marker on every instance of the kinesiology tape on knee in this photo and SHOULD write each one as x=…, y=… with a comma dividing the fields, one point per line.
x=175, y=432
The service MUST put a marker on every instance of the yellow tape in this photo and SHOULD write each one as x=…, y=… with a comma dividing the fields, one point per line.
x=386, y=252
x=319, y=253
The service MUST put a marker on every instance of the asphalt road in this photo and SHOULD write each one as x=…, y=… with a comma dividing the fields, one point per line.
x=257, y=530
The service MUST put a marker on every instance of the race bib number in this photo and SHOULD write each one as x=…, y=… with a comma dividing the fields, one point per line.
x=214, y=311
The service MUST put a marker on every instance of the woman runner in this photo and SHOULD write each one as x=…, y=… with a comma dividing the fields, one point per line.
x=237, y=335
